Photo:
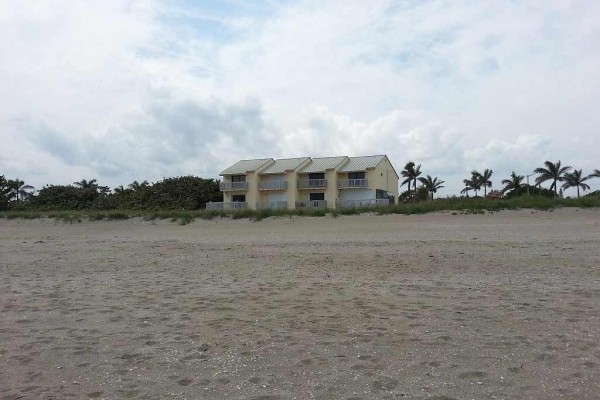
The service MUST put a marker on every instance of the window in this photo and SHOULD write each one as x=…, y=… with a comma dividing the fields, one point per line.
x=238, y=198
x=356, y=175
x=317, y=196
x=238, y=178
x=319, y=175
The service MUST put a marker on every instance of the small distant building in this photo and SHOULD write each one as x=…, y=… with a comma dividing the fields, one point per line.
x=304, y=182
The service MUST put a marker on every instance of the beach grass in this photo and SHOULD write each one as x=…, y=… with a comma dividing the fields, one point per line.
x=472, y=205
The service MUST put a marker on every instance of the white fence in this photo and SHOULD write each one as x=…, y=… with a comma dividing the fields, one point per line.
x=221, y=205
x=362, y=203
x=312, y=204
x=272, y=205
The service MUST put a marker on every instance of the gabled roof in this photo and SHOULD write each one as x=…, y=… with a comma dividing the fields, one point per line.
x=244, y=166
x=285, y=164
x=322, y=164
x=361, y=163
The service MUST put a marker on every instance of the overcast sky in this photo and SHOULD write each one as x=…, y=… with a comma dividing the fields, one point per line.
x=123, y=90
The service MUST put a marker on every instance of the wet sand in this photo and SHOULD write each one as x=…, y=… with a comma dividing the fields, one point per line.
x=497, y=306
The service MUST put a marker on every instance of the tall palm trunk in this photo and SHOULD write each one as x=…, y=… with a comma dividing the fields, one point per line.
x=415, y=186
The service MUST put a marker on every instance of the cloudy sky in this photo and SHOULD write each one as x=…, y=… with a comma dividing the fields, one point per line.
x=124, y=89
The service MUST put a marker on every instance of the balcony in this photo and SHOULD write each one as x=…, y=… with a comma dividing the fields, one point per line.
x=362, y=203
x=272, y=185
x=312, y=184
x=352, y=183
x=226, y=205
x=272, y=205
x=312, y=204
x=231, y=186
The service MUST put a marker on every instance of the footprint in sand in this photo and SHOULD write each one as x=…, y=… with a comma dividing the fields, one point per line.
x=473, y=375
x=185, y=382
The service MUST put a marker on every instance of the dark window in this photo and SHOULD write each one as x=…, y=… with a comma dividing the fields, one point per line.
x=356, y=175
x=317, y=196
x=238, y=198
x=238, y=178
x=318, y=175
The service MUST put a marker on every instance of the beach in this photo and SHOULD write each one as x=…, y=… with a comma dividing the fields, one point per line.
x=504, y=305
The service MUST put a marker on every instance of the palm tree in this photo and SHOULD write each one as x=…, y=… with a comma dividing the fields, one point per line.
x=553, y=172
x=417, y=172
x=135, y=185
x=484, y=179
x=474, y=183
x=574, y=179
x=513, y=183
x=85, y=184
x=409, y=174
x=595, y=174
x=24, y=191
x=18, y=189
x=431, y=184
x=465, y=191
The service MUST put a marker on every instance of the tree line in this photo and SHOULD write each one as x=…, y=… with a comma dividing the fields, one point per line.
x=180, y=193
x=192, y=193
x=553, y=172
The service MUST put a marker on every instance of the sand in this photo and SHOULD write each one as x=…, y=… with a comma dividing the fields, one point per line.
x=441, y=306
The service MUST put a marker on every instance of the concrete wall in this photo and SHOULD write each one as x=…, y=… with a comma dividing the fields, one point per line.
x=252, y=194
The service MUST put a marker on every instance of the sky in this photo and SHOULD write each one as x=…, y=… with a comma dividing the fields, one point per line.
x=123, y=90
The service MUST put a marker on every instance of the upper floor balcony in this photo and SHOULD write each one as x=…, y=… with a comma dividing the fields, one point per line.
x=273, y=185
x=312, y=183
x=231, y=186
x=352, y=183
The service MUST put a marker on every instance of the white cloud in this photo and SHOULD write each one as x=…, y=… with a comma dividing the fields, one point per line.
x=119, y=91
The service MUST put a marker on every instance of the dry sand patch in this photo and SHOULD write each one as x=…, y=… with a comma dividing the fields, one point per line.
x=504, y=306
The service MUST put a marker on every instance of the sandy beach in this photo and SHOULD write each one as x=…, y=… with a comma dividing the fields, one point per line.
x=498, y=306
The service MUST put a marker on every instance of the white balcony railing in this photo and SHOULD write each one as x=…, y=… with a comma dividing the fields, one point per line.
x=272, y=205
x=312, y=204
x=227, y=205
x=273, y=185
x=362, y=203
x=227, y=186
x=312, y=183
x=352, y=183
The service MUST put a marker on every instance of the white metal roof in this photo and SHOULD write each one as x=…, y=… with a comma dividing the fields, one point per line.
x=322, y=164
x=285, y=164
x=361, y=163
x=244, y=166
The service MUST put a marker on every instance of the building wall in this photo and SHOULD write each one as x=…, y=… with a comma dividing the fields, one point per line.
x=292, y=191
x=383, y=177
x=252, y=194
x=331, y=194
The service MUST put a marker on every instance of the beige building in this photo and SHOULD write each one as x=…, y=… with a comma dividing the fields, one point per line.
x=326, y=182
